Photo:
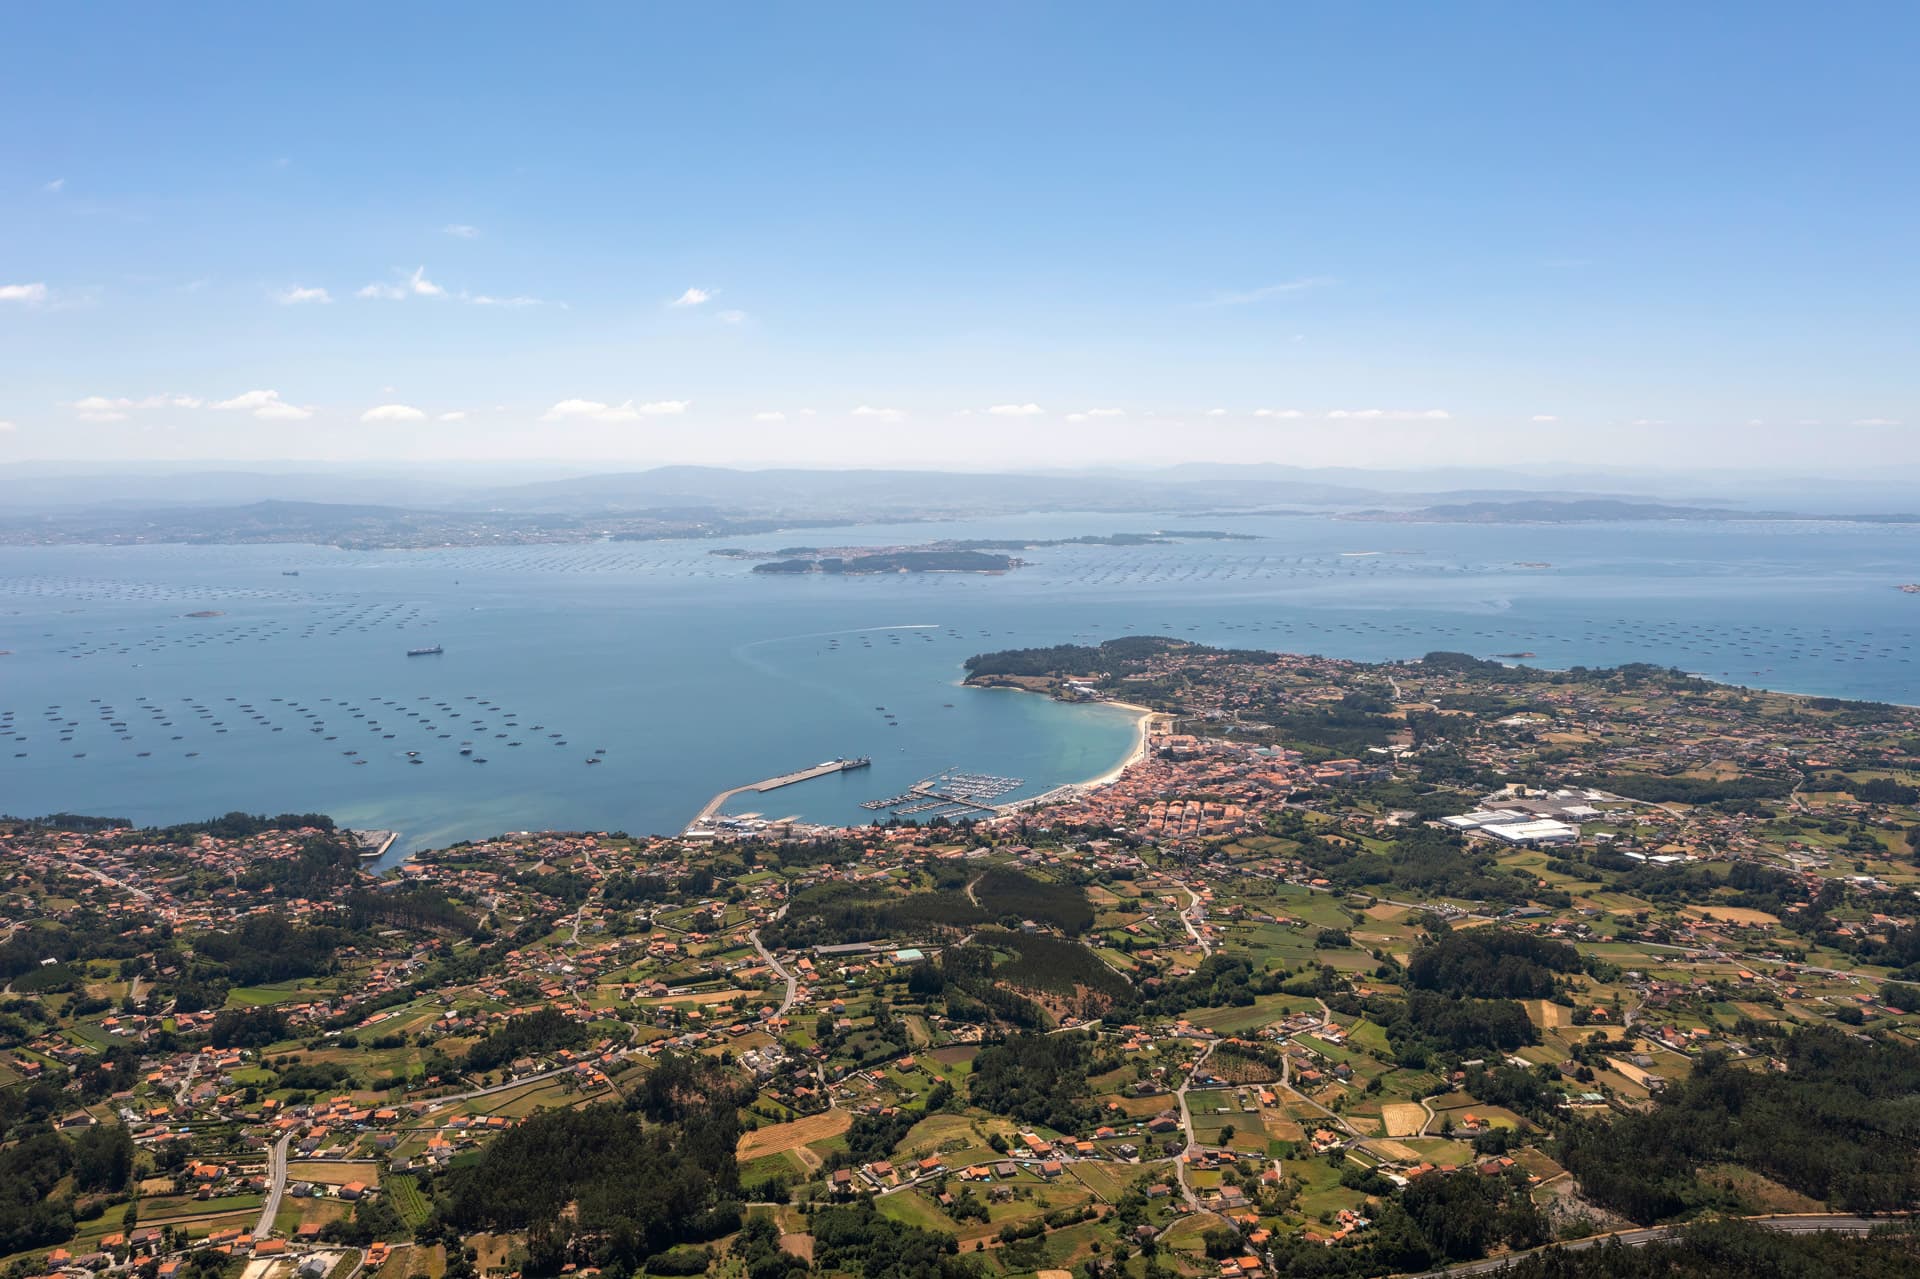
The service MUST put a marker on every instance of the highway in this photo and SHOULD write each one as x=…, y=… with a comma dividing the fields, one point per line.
x=1802, y=1224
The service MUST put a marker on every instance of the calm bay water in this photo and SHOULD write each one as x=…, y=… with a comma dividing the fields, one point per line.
x=693, y=675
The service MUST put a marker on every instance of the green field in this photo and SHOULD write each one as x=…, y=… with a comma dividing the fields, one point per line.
x=408, y=1201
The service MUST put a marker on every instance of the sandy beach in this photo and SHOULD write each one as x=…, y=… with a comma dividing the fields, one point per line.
x=1143, y=731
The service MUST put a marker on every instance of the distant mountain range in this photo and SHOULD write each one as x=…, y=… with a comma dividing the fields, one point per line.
x=472, y=506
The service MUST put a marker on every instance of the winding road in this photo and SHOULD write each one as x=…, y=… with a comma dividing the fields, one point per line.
x=793, y=983
x=1186, y=917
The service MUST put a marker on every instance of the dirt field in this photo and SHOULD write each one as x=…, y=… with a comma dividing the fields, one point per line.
x=706, y=997
x=774, y=1138
x=1403, y=1118
x=1281, y=1127
x=492, y=1249
x=1547, y=1014
x=332, y=1172
x=1733, y=914
x=1395, y=1151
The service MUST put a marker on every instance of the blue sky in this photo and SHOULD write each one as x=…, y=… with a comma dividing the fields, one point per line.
x=1380, y=234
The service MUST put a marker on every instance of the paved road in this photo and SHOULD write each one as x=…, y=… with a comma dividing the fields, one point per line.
x=105, y=878
x=793, y=983
x=1186, y=917
x=1186, y=1127
x=493, y=1088
x=276, y=1185
x=186, y=1084
x=1807, y=1224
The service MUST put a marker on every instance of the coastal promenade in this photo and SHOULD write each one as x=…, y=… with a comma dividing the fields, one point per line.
x=714, y=805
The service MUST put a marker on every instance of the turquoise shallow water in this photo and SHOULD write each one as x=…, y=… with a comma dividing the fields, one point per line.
x=693, y=675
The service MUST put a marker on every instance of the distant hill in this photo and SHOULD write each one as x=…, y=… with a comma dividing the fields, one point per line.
x=1592, y=511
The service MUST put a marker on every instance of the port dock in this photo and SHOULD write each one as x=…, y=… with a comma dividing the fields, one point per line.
x=826, y=769
x=950, y=794
x=374, y=843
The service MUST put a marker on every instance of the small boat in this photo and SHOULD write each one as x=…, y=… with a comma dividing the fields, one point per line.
x=433, y=651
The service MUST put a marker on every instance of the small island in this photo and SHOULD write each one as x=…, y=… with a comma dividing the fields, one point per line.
x=896, y=562
x=968, y=555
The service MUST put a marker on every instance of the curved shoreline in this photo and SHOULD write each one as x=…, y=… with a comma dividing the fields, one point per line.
x=1143, y=726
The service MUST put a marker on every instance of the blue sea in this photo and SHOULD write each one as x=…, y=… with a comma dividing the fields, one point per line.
x=685, y=673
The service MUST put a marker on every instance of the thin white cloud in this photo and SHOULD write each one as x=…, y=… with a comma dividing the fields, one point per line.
x=1016, y=410
x=1268, y=292
x=30, y=293
x=294, y=295
x=1876, y=421
x=694, y=297
x=1286, y=413
x=732, y=317
x=462, y=231
x=1090, y=414
x=54, y=187
x=6, y=426
x=590, y=410
x=770, y=415
x=1543, y=417
x=485, y=299
x=394, y=413
x=1216, y=412
x=878, y=414
x=1649, y=421
x=600, y=411
x=1391, y=415
x=98, y=408
x=416, y=285
x=453, y=415
x=103, y=408
x=265, y=405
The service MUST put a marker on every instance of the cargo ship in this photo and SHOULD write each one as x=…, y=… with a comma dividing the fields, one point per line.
x=435, y=651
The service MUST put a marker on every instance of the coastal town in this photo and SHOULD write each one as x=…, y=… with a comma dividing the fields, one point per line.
x=1352, y=969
